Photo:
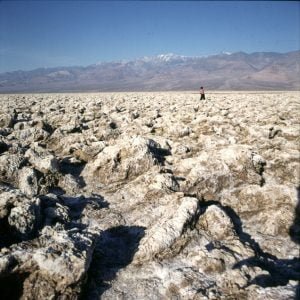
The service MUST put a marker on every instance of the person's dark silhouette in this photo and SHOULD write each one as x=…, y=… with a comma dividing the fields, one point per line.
x=202, y=94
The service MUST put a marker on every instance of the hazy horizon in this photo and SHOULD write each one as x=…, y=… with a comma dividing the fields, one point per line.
x=143, y=57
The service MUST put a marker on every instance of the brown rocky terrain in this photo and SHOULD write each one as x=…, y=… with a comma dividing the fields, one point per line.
x=150, y=196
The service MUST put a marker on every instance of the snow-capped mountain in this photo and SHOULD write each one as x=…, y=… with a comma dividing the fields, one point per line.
x=169, y=57
x=224, y=71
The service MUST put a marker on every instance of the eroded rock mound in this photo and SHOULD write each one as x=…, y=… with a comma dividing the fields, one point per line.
x=122, y=162
x=160, y=237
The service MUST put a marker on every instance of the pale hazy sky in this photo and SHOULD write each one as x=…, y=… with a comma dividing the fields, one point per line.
x=63, y=33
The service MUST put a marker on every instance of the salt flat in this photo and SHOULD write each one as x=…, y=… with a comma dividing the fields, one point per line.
x=150, y=195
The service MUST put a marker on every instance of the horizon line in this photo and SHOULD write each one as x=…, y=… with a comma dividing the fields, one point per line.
x=144, y=57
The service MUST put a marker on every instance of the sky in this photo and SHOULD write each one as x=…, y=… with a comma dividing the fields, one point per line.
x=37, y=34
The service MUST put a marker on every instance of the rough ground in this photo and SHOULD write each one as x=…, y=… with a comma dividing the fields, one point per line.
x=149, y=196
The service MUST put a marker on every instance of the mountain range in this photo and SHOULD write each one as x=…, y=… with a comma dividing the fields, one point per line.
x=166, y=72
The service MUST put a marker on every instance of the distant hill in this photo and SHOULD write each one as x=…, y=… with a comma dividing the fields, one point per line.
x=236, y=71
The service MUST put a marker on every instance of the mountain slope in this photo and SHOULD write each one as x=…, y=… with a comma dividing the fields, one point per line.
x=237, y=71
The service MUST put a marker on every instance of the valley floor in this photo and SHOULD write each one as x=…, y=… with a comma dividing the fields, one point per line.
x=150, y=195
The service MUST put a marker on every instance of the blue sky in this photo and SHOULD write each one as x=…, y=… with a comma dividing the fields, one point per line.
x=63, y=33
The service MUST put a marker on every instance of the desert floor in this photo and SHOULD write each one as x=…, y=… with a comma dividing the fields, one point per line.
x=150, y=195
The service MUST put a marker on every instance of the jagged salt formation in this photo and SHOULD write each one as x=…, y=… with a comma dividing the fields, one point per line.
x=149, y=196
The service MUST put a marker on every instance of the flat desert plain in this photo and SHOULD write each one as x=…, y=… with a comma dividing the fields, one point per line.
x=150, y=195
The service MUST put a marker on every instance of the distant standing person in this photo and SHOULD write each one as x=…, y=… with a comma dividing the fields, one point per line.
x=202, y=93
